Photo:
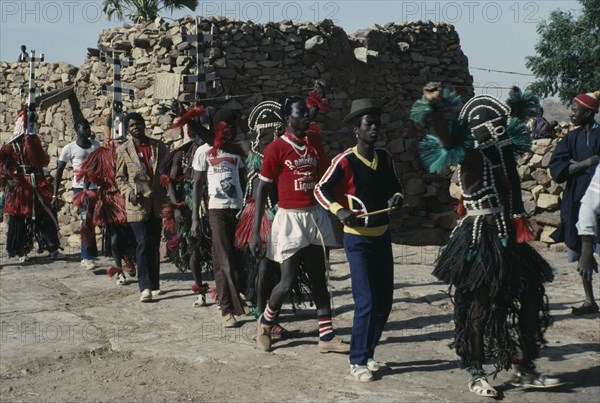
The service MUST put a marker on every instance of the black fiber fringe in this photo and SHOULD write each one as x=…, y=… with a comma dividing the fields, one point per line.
x=509, y=277
x=301, y=292
x=126, y=240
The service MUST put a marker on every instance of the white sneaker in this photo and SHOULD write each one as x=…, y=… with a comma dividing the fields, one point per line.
x=121, y=279
x=88, y=264
x=201, y=301
x=146, y=295
x=533, y=379
x=24, y=259
x=375, y=366
x=156, y=293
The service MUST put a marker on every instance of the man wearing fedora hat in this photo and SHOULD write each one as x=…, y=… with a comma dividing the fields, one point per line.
x=366, y=175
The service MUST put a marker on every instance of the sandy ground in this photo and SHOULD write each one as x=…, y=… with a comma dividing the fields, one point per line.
x=73, y=335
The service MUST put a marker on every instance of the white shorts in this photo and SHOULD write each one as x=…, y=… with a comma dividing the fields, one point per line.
x=295, y=229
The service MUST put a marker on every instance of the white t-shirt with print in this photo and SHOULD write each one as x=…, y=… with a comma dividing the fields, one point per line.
x=75, y=155
x=223, y=177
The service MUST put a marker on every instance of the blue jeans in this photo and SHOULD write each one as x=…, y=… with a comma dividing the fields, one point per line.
x=147, y=254
x=89, y=250
x=372, y=276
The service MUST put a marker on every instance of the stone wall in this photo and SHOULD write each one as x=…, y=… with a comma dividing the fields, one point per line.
x=259, y=62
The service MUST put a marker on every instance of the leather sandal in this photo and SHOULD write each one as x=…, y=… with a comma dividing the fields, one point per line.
x=361, y=373
x=481, y=387
x=585, y=309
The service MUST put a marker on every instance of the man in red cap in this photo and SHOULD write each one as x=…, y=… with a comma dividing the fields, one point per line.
x=574, y=161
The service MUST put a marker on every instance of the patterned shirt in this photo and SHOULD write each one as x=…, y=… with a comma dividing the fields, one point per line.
x=223, y=177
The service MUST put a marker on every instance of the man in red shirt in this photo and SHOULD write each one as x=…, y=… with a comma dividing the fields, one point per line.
x=301, y=229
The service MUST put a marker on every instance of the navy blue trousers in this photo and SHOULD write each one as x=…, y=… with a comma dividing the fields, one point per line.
x=372, y=275
x=147, y=254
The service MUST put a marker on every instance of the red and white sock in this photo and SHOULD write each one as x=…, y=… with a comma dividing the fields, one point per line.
x=326, y=331
x=268, y=316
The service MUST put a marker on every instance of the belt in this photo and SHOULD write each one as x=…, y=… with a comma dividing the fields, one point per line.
x=27, y=170
x=485, y=211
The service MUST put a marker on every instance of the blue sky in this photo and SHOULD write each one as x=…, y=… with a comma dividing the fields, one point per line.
x=494, y=35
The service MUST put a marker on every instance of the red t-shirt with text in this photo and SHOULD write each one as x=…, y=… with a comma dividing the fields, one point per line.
x=295, y=168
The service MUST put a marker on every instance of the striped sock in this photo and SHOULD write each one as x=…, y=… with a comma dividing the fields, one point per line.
x=326, y=332
x=268, y=316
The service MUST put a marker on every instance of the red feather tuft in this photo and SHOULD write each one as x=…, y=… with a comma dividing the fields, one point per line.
x=87, y=235
x=80, y=198
x=110, y=207
x=314, y=100
x=8, y=158
x=34, y=152
x=113, y=271
x=220, y=132
x=203, y=289
x=174, y=243
x=460, y=208
x=245, y=227
x=168, y=215
x=129, y=264
x=165, y=180
x=523, y=230
x=191, y=114
x=213, y=291
x=5, y=177
x=98, y=167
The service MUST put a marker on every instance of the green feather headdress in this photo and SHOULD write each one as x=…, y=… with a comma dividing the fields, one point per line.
x=423, y=110
x=437, y=158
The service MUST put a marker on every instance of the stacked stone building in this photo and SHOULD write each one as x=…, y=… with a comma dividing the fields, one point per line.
x=256, y=62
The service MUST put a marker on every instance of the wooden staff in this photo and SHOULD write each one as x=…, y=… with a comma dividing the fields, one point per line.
x=377, y=212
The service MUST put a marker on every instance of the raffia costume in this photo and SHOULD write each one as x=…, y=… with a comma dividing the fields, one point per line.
x=109, y=207
x=497, y=277
x=27, y=194
x=180, y=241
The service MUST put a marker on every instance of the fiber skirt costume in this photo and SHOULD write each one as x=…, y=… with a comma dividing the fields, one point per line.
x=109, y=204
x=509, y=274
x=179, y=237
x=500, y=306
x=27, y=194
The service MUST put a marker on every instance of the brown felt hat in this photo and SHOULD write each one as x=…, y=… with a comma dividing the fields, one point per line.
x=361, y=107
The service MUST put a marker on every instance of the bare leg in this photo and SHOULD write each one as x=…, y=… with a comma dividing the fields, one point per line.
x=289, y=274
x=315, y=268
x=589, y=292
